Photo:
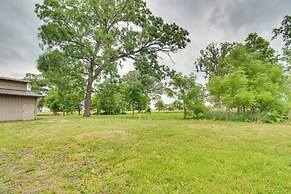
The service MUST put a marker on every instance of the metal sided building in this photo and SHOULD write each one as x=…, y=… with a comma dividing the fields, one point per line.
x=16, y=101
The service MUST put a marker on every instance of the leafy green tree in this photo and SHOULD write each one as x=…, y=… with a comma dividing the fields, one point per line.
x=256, y=44
x=109, y=97
x=52, y=101
x=227, y=90
x=69, y=86
x=211, y=58
x=249, y=82
x=64, y=96
x=151, y=83
x=94, y=36
x=159, y=105
x=176, y=105
x=131, y=77
x=244, y=98
x=266, y=81
x=189, y=93
x=37, y=85
x=135, y=97
x=152, y=76
x=137, y=90
x=145, y=83
x=59, y=101
x=285, y=31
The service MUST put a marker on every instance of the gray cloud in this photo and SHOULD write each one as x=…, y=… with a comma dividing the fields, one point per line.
x=219, y=21
x=18, y=36
x=249, y=15
x=206, y=20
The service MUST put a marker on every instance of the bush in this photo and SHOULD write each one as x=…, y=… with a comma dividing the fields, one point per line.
x=270, y=117
x=197, y=112
x=264, y=117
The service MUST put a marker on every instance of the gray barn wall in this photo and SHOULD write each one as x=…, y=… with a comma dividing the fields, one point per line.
x=13, y=85
x=13, y=107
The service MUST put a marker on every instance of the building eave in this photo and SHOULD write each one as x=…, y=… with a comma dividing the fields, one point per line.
x=19, y=93
x=13, y=79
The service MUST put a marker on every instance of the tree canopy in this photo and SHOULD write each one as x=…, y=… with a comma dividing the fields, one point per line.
x=190, y=94
x=211, y=58
x=285, y=31
x=249, y=82
x=256, y=44
x=95, y=36
x=85, y=41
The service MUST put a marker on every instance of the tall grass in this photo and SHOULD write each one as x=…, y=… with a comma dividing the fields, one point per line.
x=263, y=117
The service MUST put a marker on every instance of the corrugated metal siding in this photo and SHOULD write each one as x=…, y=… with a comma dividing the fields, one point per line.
x=13, y=85
x=12, y=107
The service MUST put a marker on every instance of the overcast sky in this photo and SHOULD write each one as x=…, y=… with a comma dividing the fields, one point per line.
x=206, y=20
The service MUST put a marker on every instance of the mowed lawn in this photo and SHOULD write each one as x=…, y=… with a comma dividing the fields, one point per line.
x=117, y=154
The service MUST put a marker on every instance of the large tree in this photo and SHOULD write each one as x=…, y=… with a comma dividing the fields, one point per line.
x=109, y=97
x=212, y=58
x=160, y=105
x=61, y=77
x=285, y=31
x=139, y=90
x=95, y=35
x=151, y=85
x=260, y=46
x=190, y=94
x=249, y=83
x=224, y=90
x=38, y=85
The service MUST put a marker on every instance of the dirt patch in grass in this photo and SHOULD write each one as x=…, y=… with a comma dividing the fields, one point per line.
x=118, y=134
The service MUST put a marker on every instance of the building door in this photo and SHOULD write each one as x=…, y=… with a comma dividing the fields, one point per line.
x=28, y=112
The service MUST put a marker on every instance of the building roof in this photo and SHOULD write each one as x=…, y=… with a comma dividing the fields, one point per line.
x=13, y=79
x=18, y=93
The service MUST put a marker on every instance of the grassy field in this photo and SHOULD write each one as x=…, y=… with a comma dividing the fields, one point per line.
x=117, y=154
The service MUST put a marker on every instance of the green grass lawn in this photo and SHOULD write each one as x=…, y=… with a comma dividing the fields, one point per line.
x=117, y=154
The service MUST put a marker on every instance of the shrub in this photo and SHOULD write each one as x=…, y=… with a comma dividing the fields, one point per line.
x=270, y=117
x=264, y=117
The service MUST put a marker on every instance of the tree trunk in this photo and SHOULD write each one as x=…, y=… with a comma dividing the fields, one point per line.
x=185, y=113
x=87, y=112
x=132, y=111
